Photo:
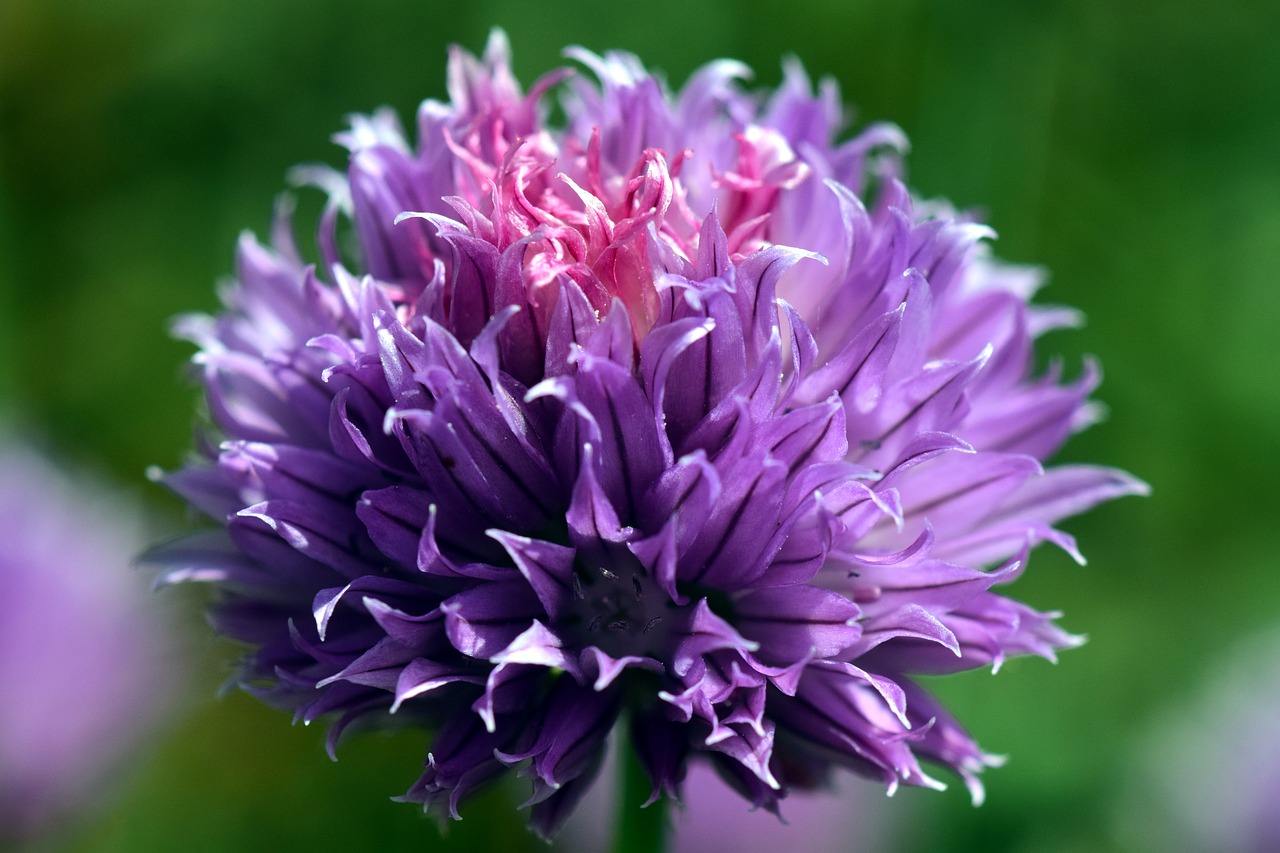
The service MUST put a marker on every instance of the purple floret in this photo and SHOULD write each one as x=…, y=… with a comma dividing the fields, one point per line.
x=684, y=416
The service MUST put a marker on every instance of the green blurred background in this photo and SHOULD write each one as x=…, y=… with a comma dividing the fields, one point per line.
x=1132, y=149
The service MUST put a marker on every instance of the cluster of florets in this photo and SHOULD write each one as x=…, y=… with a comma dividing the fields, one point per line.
x=681, y=415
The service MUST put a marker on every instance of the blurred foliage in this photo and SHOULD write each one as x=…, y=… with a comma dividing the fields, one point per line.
x=1128, y=148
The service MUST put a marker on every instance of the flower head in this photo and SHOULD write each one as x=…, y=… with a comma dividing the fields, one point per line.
x=682, y=416
x=81, y=658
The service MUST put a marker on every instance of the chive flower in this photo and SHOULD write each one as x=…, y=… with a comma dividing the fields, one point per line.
x=680, y=418
x=84, y=662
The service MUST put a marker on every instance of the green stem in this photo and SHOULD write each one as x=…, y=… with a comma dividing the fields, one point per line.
x=638, y=830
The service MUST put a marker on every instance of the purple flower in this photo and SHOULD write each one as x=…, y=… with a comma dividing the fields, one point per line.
x=1206, y=771
x=684, y=417
x=82, y=661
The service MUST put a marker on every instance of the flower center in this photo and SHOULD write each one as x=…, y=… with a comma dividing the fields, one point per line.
x=620, y=610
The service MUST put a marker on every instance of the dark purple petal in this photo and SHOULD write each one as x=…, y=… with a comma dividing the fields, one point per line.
x=546, y=566
x=629, y=456
x=707, y=633
x=460, y=764
x=602, y=669
x=571, y=737
x=795, y=622
x=662, y=747
x=422, y=675
x=738, y=539
x=484, y=620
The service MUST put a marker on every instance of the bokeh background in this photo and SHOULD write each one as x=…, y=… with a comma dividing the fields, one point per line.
x=1131, y=149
